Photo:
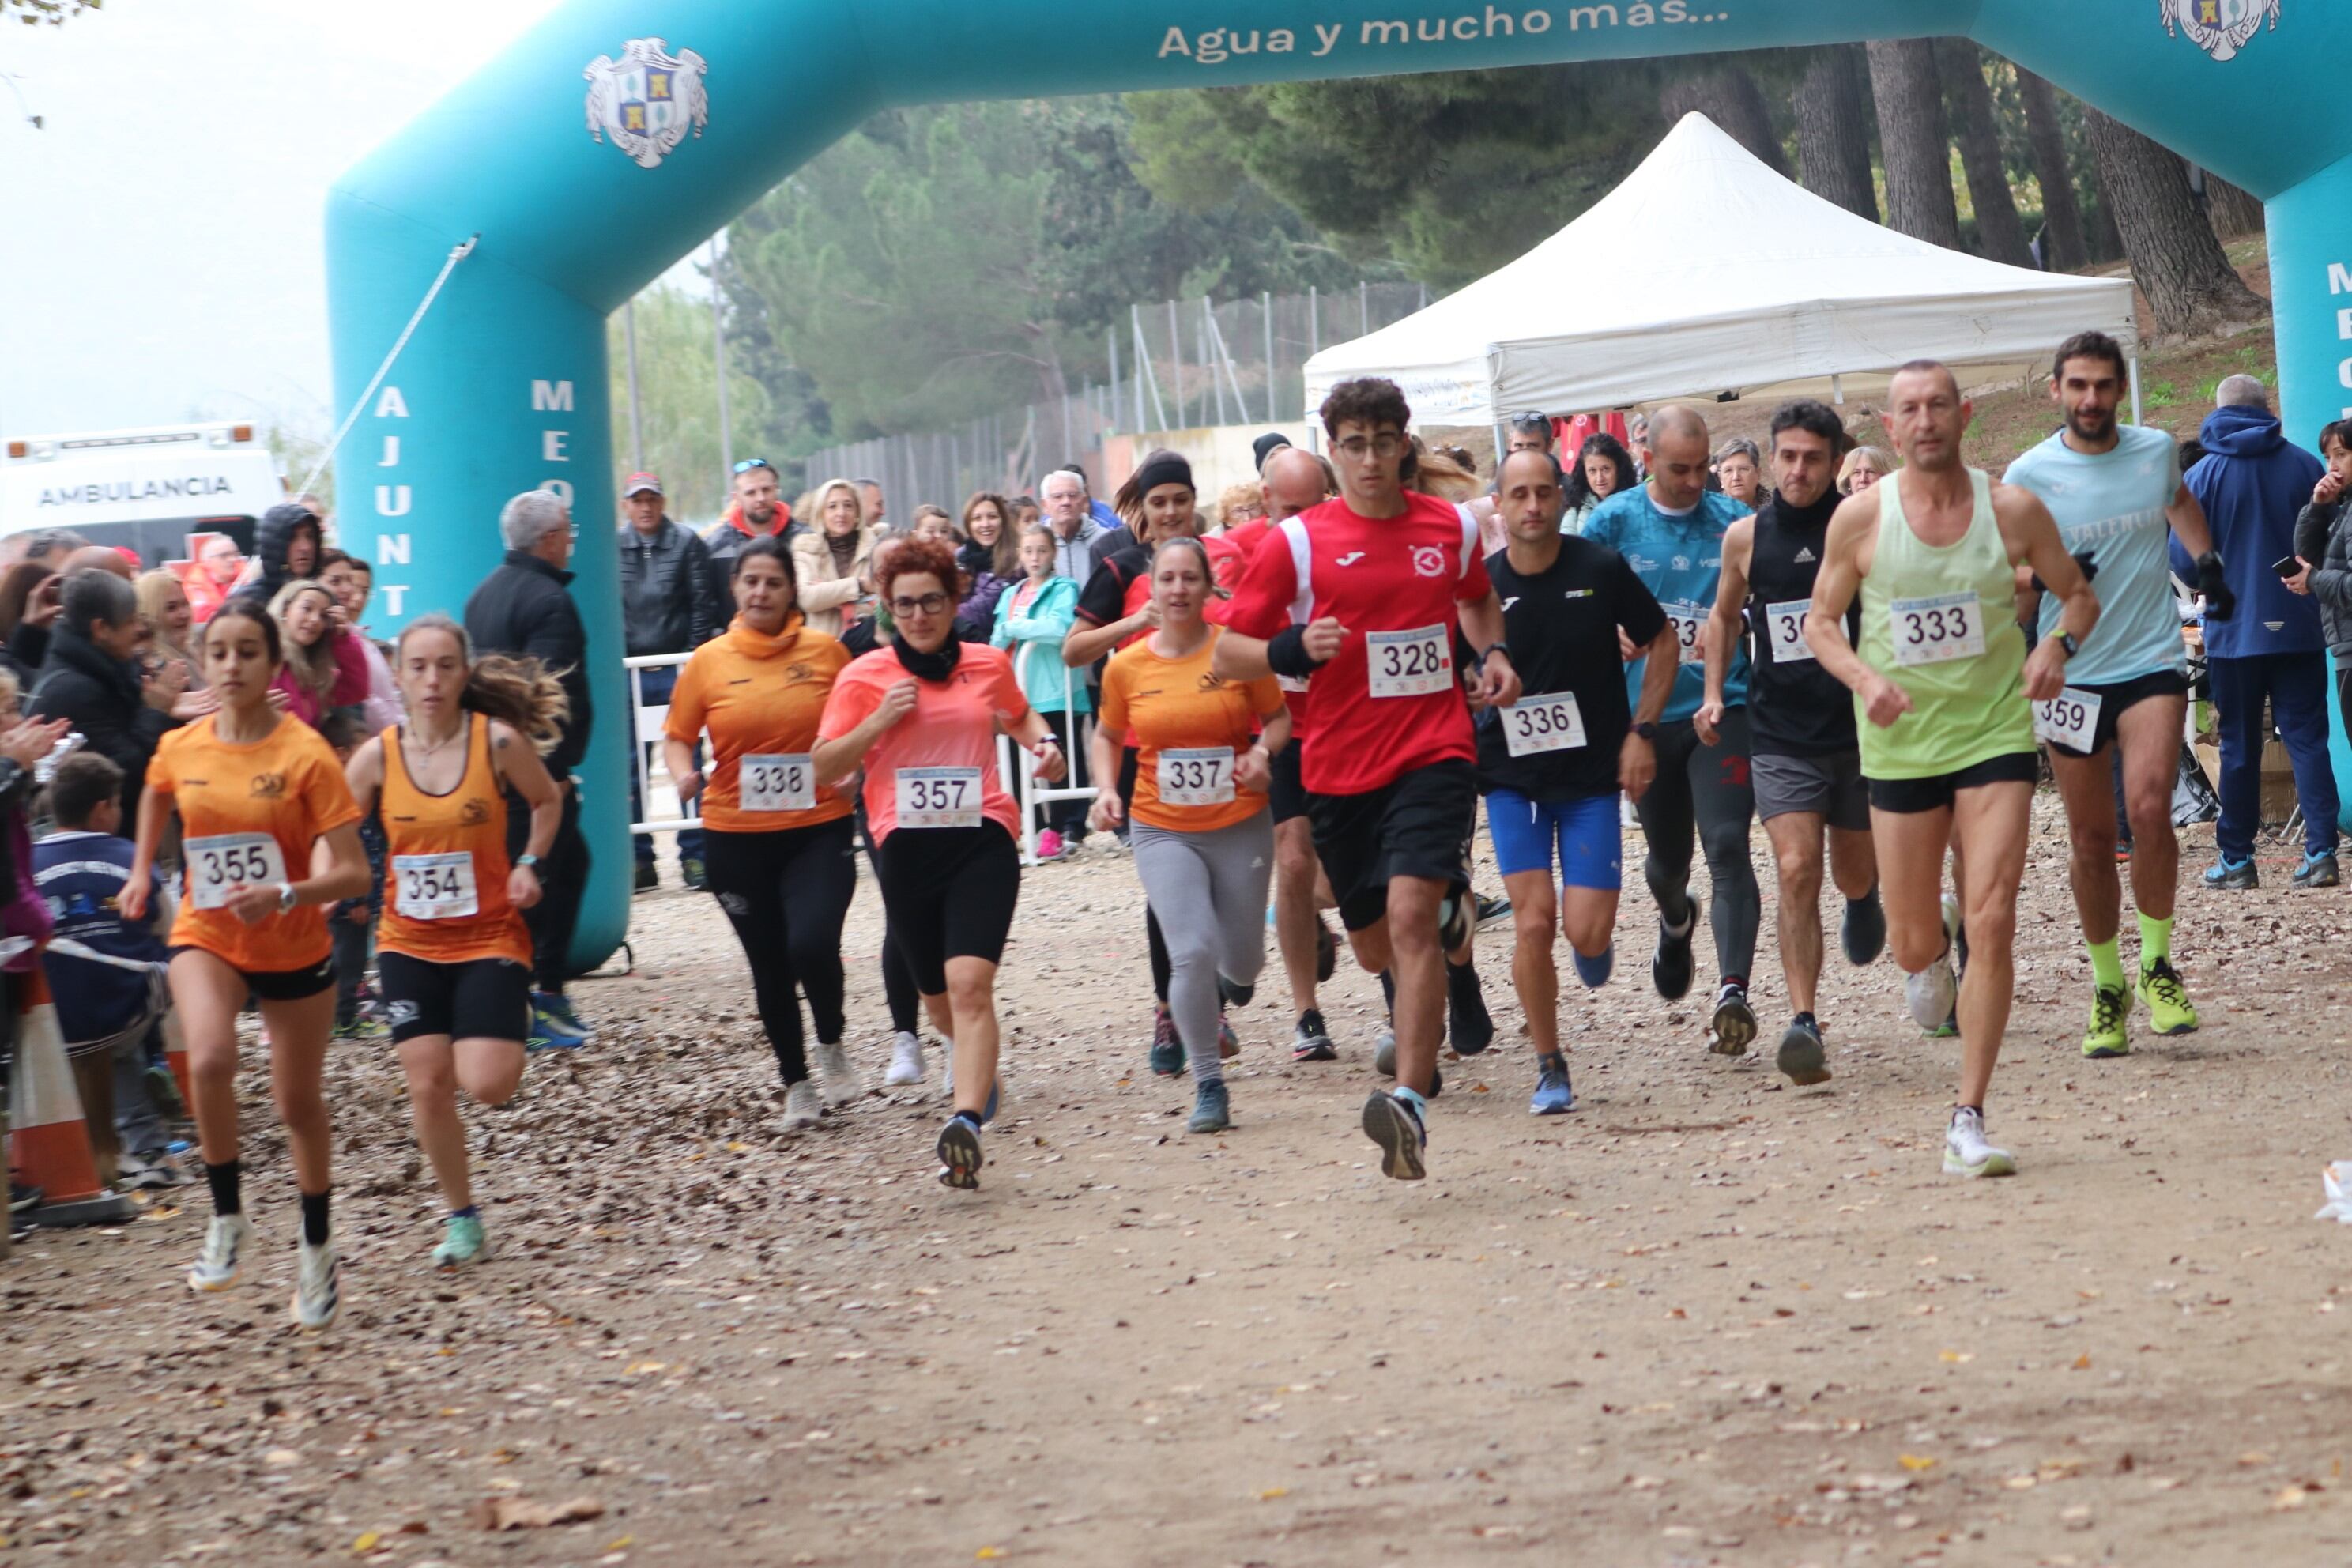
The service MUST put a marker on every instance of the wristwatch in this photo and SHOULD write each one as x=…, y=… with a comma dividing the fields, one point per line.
x=1646, y=730
x=2066, y=641
x=285, y=897
x=526, y=860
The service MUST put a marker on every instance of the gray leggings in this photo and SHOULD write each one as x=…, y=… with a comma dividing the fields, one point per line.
x=1209, y=891
x=1705, y=789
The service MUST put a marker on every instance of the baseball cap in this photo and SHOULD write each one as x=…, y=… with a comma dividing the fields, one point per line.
x=639, y=482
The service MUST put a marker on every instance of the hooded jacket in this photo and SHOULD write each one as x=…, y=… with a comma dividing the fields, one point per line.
x=101, y=695
x=725, y=538
x=668, y=597
x=522, y=608
x=2254, y=484
x=273, y=537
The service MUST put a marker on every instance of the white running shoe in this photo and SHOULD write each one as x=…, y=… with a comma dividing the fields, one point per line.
x=225, y=1239
x=802, y=1109
x=1932, y=992
x=842, y=1083
x=1966, y=1153
x=317, y=1293
x=905, y=1060
x=947, y=1070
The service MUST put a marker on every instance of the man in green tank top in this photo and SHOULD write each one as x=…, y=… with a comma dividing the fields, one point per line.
x=1941, y=686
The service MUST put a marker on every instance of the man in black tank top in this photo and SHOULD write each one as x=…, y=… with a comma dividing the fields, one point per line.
x=1805, y=762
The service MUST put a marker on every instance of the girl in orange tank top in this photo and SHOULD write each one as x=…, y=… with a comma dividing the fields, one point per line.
x=451, y=948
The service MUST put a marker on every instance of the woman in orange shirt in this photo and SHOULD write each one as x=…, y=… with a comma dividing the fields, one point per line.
x=451, y=947
x=1201, y=828
x=941, y=821
x=269, y=838
x=778, y=848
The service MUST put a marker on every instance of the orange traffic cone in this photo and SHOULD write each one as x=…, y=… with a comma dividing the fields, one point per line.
x=50, y=1142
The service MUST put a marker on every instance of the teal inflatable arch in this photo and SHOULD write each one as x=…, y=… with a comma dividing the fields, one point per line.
x=612, y=137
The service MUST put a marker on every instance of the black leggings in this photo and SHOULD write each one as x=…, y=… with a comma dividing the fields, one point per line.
x=1129, y=764
x=786, y=894
x=898, y=975
x=1704, y=791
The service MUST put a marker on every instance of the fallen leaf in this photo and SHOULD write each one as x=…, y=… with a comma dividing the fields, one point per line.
x=988, y=1553
x=1915, y=1462
x=1956, y=1357
x=2083, y=1361
x=1273, y=1492
x=367, y=1543
x=281, y=1456
x=2289, y=1497
x=522, y=1513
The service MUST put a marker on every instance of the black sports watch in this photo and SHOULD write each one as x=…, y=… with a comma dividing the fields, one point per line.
x=1497, y=646
x=1646, y=730
x=2066, y=641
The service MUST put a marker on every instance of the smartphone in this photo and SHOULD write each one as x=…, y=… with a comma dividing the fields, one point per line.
x=2287, y=565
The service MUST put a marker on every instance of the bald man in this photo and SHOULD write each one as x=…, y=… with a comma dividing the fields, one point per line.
x=1670, y=530
x=103, y=558
x=1293, y=480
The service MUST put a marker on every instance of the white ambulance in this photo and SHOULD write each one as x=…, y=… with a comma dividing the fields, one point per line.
x=147, y=489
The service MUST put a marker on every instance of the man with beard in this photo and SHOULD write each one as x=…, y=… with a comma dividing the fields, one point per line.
x=758, y=513
x=1805, y=762
x=2115, y=492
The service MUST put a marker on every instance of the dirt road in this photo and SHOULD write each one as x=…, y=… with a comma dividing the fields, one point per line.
x=1707, y=1317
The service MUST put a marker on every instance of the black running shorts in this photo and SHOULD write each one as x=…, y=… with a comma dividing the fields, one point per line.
x=1414, y=825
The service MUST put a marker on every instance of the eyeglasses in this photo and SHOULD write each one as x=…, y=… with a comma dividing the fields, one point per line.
x=748, y=464
x=928, y=604
x=1355, y=447
x=1530, y=421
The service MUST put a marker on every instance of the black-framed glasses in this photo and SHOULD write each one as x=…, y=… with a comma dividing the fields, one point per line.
x=928, y=604
x=748, y=464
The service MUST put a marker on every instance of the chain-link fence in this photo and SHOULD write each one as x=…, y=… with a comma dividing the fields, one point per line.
x=1175, y=365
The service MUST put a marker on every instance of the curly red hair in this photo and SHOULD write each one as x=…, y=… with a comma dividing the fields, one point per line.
x=916, y=555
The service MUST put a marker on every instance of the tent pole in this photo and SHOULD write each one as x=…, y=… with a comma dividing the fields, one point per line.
x=1837, y=389
x=2135, y=389
x=1499, y=451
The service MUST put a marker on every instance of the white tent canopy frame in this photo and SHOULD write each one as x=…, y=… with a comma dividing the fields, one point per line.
x=1706, y=272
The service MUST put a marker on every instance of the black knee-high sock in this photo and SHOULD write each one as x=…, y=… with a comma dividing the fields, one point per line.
x=227, y=1183
x=1161, y=968
x=1388, y=990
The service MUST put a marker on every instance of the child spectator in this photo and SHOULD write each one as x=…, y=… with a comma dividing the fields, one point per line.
x=107, y=1007
x=352, y=922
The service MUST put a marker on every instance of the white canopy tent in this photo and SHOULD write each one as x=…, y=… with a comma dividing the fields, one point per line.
x=1703, y=272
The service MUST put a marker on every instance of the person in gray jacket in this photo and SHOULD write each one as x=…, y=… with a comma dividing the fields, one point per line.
x=2323, y=548
x=669, y=604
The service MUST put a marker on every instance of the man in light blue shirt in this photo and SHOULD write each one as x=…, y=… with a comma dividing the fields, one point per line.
x=2117, y=493
x=1670, y=530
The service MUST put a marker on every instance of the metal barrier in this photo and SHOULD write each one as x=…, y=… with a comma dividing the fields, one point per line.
x=651, y=719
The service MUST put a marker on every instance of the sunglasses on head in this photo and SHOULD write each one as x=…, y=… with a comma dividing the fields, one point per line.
x=748, y=464
x=1530, y=421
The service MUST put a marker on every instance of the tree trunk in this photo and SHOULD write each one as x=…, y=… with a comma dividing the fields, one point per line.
x=2062, y=215
x=1730, y=97
x=1913, y=141
x=2178, y=261
x=1833, y=129
x=2234, y=212
x=1999, y=235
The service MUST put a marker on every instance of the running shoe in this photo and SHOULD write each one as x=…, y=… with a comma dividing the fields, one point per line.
x=1166, y=1050
x=1493, y=909
x=1553, y=1096
x=842, y=1084
x=366, y=1030
x=1229, y=1044
x=1050, y=846
x=2107, y=1036
x=2123, y=852
x=1234, y=994
x=464, y=1242
x=163, y=1093
x=1803, y=1058
x=549, y=1030
x=1468, y=1024
x=1326, y=953
x=24, y=1197
x=218, y=1265
x=1734, y=1024
x=318, y=1286
x=693, y=875
x=1933, y=993
x=1454, y=922
x=1311, y=1042
x=2318, y=871
x=959, y=1151
x=1966, y=1153
x=2237, y=876
x=905, y=1060
x=1670, y=965
x=1211, y=1113
x=1864, y=930
x=1384, y=1053
x=1391, y=1122
x=153, y=1171
x=802, y=1107
x=1949, y=1030
x=1595, y=972
x=647, y=879
x=2168, y=1000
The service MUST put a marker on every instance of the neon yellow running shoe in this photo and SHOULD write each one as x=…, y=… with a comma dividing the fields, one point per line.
x=2106, y=1037
x=2166, y=999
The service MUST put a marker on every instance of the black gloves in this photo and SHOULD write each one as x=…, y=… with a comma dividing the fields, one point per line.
x=2221, y=604
x=1286, y=654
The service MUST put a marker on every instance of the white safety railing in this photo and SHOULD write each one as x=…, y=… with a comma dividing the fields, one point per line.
x=653, y=718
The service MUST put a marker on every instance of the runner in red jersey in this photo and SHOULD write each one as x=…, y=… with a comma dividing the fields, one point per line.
x=1385, y=578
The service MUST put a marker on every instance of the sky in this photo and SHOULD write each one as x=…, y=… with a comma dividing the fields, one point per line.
x=167, y=217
